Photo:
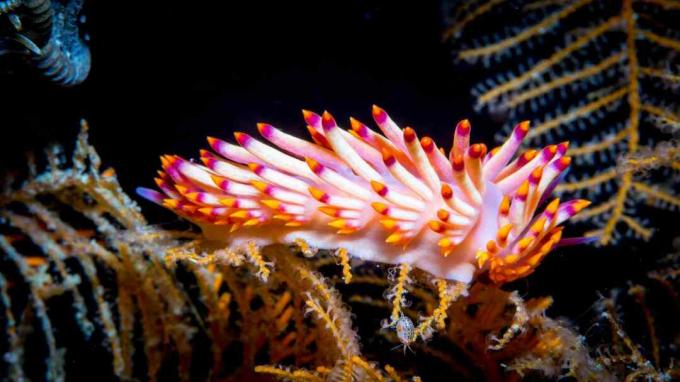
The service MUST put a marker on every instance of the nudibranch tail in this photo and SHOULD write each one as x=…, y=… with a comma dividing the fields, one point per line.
x=386, y=196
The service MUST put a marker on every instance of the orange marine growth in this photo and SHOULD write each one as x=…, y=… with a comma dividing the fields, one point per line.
x=387, y=197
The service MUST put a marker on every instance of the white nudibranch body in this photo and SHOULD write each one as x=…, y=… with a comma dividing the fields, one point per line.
x=389, y=198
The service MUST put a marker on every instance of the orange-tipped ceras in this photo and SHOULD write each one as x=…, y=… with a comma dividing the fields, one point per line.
x=389, y=197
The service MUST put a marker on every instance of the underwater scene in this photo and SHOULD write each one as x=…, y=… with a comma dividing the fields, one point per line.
x=451, y=190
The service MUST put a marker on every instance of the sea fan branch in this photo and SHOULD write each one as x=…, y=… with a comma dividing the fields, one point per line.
x=526, y=34
x=564, y=80
x=294, y=375
x=542, y=66
x=604, y=144
x=578, y=112
x=659, y=73
x=665, y=42
x=601, y=87
x=592, y=181
x=653, y=193
x=470, y=16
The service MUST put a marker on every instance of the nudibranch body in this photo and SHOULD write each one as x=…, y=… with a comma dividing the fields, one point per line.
x=390, y=197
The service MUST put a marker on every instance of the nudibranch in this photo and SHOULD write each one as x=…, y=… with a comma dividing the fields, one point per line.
x=390, y=198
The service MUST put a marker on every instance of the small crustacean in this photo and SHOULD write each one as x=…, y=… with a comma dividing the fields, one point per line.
x=405, y=331
x=389, y=198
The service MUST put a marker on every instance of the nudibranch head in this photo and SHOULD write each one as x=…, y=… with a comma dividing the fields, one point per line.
x=389, y=197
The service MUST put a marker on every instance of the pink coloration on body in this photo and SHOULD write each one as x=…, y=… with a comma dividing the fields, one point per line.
x=391, y=198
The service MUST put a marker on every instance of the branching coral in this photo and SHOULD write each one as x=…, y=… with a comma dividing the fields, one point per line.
x=603, y=72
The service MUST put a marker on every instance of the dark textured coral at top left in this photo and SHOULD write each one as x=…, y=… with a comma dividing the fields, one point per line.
x=46, y=35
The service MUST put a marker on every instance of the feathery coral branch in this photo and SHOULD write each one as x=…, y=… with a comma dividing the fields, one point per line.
x=592, y=70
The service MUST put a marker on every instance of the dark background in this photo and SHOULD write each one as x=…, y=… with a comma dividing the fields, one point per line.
x=166, y=76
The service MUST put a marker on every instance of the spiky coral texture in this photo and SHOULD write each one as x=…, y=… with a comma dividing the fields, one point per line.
x=448, y=215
